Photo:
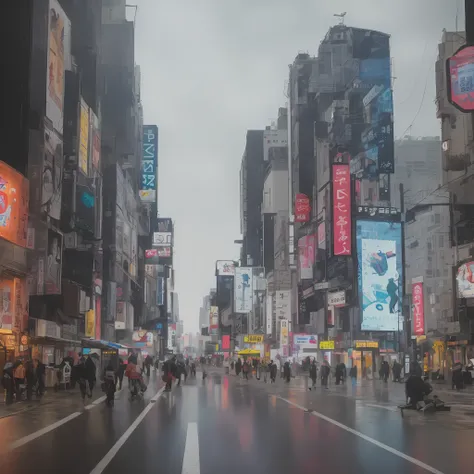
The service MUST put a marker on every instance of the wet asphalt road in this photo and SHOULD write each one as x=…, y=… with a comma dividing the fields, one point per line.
x=229, y=425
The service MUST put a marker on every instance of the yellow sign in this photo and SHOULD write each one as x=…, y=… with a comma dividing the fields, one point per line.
x=217, y=347
x=253, y=338
x=90, y=323
x=84, y=138
x=366, y=344
x=326, y=345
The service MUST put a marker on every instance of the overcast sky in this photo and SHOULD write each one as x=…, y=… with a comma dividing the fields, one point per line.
x=211, y=69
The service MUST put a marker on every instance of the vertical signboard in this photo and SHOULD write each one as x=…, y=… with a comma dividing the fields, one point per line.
x=95, y=141
x=341, y=185
x=59, y=43
x=306, y=254
x=380, y=276
x=84, y=137
x=243, y=289
x=283, y=333
x=283, y=304
x=418, y=306
x=269, y=314
x=148, y=187
x=213, y=320
x=302, y=208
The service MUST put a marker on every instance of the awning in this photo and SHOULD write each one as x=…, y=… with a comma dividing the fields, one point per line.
x=249, y=352
x=101, y=344
x=53, y=341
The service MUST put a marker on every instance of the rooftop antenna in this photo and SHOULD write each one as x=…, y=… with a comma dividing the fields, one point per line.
x=341, y=17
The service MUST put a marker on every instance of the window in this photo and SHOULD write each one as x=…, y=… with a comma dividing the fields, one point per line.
x=441, y=241
x=437, y=219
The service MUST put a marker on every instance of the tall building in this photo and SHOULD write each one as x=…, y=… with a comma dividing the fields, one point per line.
x=457, y=155
x=251, y=192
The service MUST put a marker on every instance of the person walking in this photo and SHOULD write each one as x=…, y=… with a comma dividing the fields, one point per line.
x=385, y=371
x=313, y=374
x=287, y=371
x=119, y=373
x=238, y=367
x=19, y=374
x=90, y=374
x=353, y=375
x=325, y=371
x=40, y=372
x=397, y=371
x=273, y=372
x=8, y=382
x=245, y=370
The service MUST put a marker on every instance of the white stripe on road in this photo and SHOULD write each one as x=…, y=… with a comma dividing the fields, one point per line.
x=191, y=463
x=385, y=407
x=22, y=441
x=415, y=461
x=116, y=447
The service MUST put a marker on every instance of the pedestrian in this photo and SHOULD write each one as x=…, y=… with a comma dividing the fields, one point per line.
x=119, y=373
x=325, y=371
x=265, y=370
x=353, y=375
x=19, y=376
x=40, y=372
x=148, y=364
x=30, y=379
x=338, y=374
x=397, y=371
x=343, y=370
x=245, y=370
x=457, y=378
x=287, y=371
x=81, y=375
x=385, y=371
x=238, y=367
x=273, y=371
x=90, y=371
x=313, y=374
x=8, y=382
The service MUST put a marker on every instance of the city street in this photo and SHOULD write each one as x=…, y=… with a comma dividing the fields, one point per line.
x=226, y=424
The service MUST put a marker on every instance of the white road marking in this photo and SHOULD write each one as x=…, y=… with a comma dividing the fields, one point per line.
x=191, y=463
x=116, y=447
x=22, y=441
x=415, y=461
x=385, y=407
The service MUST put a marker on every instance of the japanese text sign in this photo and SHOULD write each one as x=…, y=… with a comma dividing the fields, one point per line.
x=341, y=210
x=418, y=307
x=149, y=159
x=302, y=208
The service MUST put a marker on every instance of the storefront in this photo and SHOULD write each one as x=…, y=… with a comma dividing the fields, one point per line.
x=363, y=355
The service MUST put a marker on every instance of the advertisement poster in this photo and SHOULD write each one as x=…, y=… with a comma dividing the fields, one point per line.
x=213, y=320
x=95, y=141
x=302, y=342
x=243, y=289
x=225, y=342
x=322, y=236
x=418, y=301
x=306, y=254
x=149, y=163
x=379, y=253
x=14, y=192
x=465, y=280
x=59, y=43
x=98, y=317
x=53, y=269
x=84, y=137
x=90, y=323
x=225, y=268
x=341, y=185
x=460, y=79
x=283, y=333
x=162, y=239
x=120, y=315
x=7, y=292
x=51, y=178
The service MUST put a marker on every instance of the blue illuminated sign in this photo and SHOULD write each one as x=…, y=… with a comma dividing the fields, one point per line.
x=88, y=200
x=150, y=157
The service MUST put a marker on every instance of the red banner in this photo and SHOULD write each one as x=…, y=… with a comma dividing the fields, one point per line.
x=341, y=188
x=225, y=342
x=418, y=308
x=302, y=208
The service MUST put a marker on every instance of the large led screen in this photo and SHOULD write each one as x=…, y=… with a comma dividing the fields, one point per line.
x=379, y=253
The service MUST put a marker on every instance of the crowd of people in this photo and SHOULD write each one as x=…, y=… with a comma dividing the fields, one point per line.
x=23, y=379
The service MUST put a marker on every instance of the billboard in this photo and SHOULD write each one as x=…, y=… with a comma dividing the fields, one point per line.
x=90, y=323
x=305, y=341
x=95, y=141
x=149, y=163
x=14, y=193
x=162, y=239
x=225, y=267
x=306, y=256
x=283, y=332
x=213, y=320
x=465, y=280
x=243, y=289
x=85, y=217
x=302, y=208
x=53, y=271
x=418, y=301
x=273, y=139
x=341, y=188
x=51, y=178
x=225, y=342
x=160, y=292
x=58, y=56
x=83, y=161
x=253, y=338
x=269, y=314
x=460, y=79
x=380, y=274
x=283, y=304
